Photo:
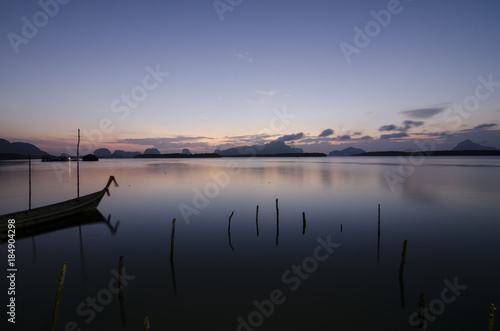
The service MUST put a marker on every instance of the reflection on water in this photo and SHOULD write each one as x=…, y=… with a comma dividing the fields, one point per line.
x=447, y=210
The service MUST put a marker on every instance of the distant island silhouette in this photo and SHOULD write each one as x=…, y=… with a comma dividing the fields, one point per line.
x=277, y=148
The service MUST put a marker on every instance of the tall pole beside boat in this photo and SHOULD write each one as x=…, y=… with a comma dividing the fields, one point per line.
x=78, y=166
x=29, y=176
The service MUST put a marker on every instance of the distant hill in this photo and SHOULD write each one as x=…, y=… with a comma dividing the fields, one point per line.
x=122, y=154
x=468, y=145
x=102, y=152
x=347, y=152
x=20, y=148
x=152, y=151
x=274, y=147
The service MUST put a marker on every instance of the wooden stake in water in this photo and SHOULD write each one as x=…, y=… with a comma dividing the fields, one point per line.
x=492, y=317
x=401, y=270
x=403, y=259
x=277, y=223
x=29, y=176
x=303, y=223
x=172, y=238
x=78, y=166
x=58, y=297
x=378, y=240
x=257, y=220
x=421, y=313
x=229, y=232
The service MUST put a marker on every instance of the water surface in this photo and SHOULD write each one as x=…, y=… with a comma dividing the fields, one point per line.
x=446, y=208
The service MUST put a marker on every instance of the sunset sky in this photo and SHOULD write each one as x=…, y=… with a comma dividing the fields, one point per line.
x=205, y=74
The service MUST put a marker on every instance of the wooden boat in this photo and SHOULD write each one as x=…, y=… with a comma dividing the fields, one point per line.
x=82, y=219
x=49, y=213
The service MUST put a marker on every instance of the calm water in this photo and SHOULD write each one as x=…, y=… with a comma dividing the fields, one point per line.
x=317, y=278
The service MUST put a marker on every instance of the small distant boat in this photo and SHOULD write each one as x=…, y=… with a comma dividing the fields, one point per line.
x=46, y=214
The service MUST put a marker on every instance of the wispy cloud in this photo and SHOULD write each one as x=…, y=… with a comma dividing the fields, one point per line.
x=485, y=126
x=326, y=133
x=266, y=92
x=243, y=55
x=394, y=135
x=291, y=137
x=343, y=138
x=423, y=112
x=390, y=127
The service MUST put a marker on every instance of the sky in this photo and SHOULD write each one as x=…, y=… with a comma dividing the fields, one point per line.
x=321, y=75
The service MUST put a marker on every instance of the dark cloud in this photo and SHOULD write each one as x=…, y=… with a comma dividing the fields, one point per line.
x=422, y=112
x=326, y=133
x=366, y=138
x=357, y=133
x=410, y=124
x=394, y=135
x=291, y=137
x=390, y=127
x=343, y=138
x=484, y=126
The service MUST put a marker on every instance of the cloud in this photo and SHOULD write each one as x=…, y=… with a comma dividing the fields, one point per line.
x=422, y=112
x=366, y=138
x=266, y=92
x=254, y=101
x=326, y=133
x=343, y=138
x=291, y=137
x=410, y=124
x=406, y=125
x=243, y=55
x=394, y=135
x=390, y=127
x=484, y=126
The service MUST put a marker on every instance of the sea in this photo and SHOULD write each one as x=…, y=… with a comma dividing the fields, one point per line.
x=313, y=243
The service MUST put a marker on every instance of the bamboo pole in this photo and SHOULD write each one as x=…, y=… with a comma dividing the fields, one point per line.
x=277, y=223
x=257, y=220
x=229, y=231
x=172, y=269
x=78, y=166
x=120, y=275
x=58, y=297
x=403, y=259
x=378, y=237
x=401, y=270
x=303, y=223
x=492, y=316
x=172, y=238
x=341, y=228
x=421, y=312
x=29, y=176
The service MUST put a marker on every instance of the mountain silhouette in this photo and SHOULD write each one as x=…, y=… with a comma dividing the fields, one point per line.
x=20, y=148
x=468, y=145
x=274, y=147
x=347, y=152
x=152, y=151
